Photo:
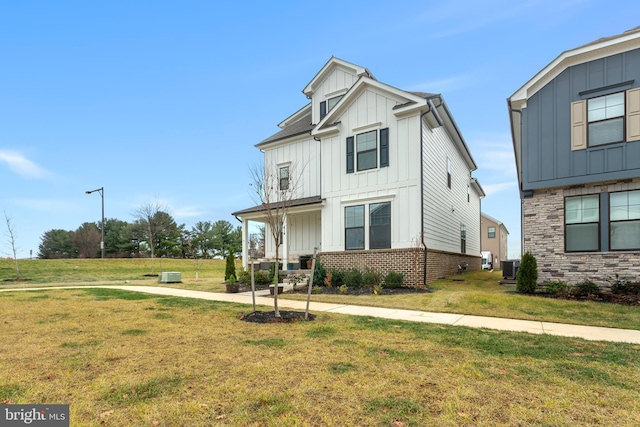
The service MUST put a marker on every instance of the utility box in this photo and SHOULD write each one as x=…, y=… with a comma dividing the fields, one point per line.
x=170, y=277
x=510, y=269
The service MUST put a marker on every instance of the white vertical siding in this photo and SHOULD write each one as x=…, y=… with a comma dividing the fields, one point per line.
x=397, y=183
x=447, y=209
x=304, y=156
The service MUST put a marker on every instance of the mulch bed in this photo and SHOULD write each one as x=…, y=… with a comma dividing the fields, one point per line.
x=609, y=297
x=366, y=291
x=270, y=317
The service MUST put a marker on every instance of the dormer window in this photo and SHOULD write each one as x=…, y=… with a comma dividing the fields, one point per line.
x=331, y=102
x=326, y=106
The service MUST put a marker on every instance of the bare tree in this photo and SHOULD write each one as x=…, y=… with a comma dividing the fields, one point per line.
x=276, y=190
x=87, y=240
x=12, y=235
x=154, y=224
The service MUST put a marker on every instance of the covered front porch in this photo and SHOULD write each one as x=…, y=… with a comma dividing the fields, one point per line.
x=301, y=233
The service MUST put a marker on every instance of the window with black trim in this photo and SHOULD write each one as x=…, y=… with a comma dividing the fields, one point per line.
x=362, y=151
x=605, y=116
x=354, y=227
x=284, y=178
x=448, y=172
x=491, y=232
x=624, y=220
x=463, y=239
x=582, y=223
x=380, y=225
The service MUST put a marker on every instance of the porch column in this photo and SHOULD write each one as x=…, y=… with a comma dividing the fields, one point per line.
x=245, y=243
x=285, y=241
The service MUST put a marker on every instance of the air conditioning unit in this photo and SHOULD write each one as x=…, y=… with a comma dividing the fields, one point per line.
x=170, y=277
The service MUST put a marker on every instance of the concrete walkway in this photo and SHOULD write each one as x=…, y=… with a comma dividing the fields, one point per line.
x=593, y=333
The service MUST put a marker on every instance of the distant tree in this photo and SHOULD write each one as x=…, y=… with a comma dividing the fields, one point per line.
x=55, y=244
x=168, y=241
x=201, y=238
x=118, y=238
x=86, y=239
x=12, y=236
x=225, y=236
x=157, y=228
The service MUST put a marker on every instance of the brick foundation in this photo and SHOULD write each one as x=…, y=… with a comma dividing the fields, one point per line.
x=409, y=262
x=544, y=238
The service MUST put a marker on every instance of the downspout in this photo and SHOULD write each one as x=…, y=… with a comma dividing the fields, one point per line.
x=515, y=153
x=430, y=107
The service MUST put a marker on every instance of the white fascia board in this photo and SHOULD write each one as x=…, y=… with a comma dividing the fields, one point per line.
x=285, y=141
x=295, y=116
x=566, y=59
x=478, y=188
x=362, y=83
x=326, y=69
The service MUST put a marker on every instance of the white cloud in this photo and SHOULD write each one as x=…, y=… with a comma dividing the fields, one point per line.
x=22, y=166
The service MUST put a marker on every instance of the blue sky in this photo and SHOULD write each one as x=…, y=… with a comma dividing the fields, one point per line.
x=163, y=101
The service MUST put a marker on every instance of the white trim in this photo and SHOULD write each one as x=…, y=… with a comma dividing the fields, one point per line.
x=367, y=128
x=368, y=199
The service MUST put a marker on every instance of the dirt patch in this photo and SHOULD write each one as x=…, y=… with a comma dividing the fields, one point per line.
x=270, y=317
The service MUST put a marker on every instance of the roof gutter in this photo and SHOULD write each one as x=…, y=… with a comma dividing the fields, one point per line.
x=430, y=108
x=518, y=167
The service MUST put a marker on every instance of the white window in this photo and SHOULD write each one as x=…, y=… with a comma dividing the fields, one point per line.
x=605, y=115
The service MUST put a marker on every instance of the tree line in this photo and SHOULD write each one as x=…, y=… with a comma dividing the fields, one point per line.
x=154, y=233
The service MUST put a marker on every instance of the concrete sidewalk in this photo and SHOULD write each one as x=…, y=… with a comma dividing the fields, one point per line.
x=593, y=333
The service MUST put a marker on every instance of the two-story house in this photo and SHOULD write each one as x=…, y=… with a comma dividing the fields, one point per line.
x=384, y=179
x=576, y=136
x=494, y=238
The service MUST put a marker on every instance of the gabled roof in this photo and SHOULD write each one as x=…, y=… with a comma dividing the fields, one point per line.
x=490, y=218
x=300, y=127
x=332, y=63
x=600, y=48
x=597, y=49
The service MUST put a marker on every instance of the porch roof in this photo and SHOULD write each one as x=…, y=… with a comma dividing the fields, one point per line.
x=305, y=201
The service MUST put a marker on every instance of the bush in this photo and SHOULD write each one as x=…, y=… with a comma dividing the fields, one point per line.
x=393, y=280
x=230, y=268
x=337, y=277
x=353, y=278
x=344, y=289
x=319, y=274
x=371, y=278
x=272, y=271
x=244, y=277
x=586, y=288
x=261, y=278
x=377, y=289
x=558, y=288
x=624, y=286
x=527, y=276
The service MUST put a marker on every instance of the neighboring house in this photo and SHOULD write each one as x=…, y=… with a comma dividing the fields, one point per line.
x=384, y=173
x=493, y=238
x=576, y=137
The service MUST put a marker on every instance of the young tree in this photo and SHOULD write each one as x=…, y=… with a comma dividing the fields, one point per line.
x=275, y=196
x=152, y=225
x=230, y=267
x=12, y=235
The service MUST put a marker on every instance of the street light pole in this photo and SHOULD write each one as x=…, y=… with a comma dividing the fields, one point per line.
x=101, y=191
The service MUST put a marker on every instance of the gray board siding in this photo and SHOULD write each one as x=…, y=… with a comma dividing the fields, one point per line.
x=546, y=127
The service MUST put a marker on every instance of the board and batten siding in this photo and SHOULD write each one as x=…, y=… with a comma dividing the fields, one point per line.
x=304, y=157
x=336, y=83
x=447, y=209
x=551, y=126
x=303, y=235
x=397, y=183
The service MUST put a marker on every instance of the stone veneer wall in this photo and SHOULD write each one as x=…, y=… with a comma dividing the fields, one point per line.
x=544, y=238
x=409, y=262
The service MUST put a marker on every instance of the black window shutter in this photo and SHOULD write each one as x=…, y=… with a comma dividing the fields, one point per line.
x=323, y=109
x=384, y=147
x=350, y=154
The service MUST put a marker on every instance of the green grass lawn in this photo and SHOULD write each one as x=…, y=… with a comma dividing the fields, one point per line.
x=127, y=359
x=475, y=293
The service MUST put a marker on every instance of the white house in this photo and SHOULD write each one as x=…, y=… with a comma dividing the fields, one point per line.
x=385, y=179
